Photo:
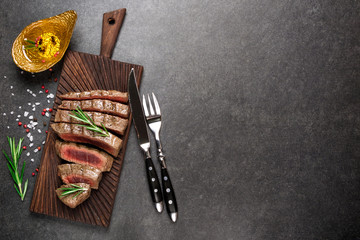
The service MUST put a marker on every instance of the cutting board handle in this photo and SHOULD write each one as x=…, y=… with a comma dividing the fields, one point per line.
x=112, y=22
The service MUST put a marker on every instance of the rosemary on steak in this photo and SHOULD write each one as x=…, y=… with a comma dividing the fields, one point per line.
x=69, y=190
x=81, y=116
x=13, y=165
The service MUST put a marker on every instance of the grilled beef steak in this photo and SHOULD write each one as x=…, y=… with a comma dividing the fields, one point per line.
x=98, y=105
x=70, y=199
x=81, y=154
x=112, y=95
x=77, y=173
x=75, y=133
x=112, y=123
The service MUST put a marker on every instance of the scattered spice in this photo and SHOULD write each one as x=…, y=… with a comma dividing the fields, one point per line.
x=19, y=123
x=25, y=126
x=39, y=148
x=27, y=130
x=42, y=86
x=43, y=113
x=24, y=147
x=47, y=91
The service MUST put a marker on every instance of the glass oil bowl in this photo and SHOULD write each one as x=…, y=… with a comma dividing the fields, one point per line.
x=30, y=60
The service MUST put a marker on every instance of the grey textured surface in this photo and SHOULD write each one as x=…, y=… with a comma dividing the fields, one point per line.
x=261, y=103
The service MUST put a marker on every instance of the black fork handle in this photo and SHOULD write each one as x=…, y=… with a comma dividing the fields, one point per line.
x=169, y=194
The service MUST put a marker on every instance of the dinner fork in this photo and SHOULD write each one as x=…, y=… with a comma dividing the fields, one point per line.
x=153, y=119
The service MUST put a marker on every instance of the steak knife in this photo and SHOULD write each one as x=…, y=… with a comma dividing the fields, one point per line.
x=143, y=138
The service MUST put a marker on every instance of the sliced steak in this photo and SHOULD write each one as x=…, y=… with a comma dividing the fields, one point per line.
x=70, y=200
x=76, y=133
x=112, y=123
x=81, y=154
x=112, y=95
x=77, y=173
x=98, y=105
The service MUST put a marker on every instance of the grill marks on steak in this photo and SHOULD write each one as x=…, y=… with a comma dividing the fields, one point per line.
x=103, y=107
x=81, y=154
x=70, y=200
x=112, y=123
x=112, y=95
x=75, y=133
x=98, y=105
x=75, y=173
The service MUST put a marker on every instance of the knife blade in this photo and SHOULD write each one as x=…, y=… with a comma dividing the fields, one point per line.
x=143, y=139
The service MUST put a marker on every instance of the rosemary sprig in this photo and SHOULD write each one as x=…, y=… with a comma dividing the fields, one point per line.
x=31, y=45
x=81, y=116
x=71, y=190
x=13, y=165
x=29, y=41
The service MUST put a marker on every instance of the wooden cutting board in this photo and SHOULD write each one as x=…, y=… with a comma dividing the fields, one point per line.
x=82, y=72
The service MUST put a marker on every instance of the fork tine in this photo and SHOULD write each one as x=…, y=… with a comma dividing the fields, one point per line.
x=157, y=108
x=150, y=106
x=145, y=107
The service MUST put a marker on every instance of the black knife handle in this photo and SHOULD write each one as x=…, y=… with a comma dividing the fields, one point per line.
x=168, y=190
x=154, y=183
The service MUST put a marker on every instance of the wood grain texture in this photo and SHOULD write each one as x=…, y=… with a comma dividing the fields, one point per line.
x=112, y=22
x=82, y=72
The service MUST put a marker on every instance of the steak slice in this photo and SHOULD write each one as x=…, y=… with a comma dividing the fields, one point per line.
x=81, y=154
x=98, y=105
x=76, y=133
x=77, y=173
x=112, y=95
x=70, y=200
x=112, y=123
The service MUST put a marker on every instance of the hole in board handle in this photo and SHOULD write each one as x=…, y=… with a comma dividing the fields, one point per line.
x=111, y=21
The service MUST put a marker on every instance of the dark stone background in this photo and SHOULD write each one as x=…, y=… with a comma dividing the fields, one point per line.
x=260, y=103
